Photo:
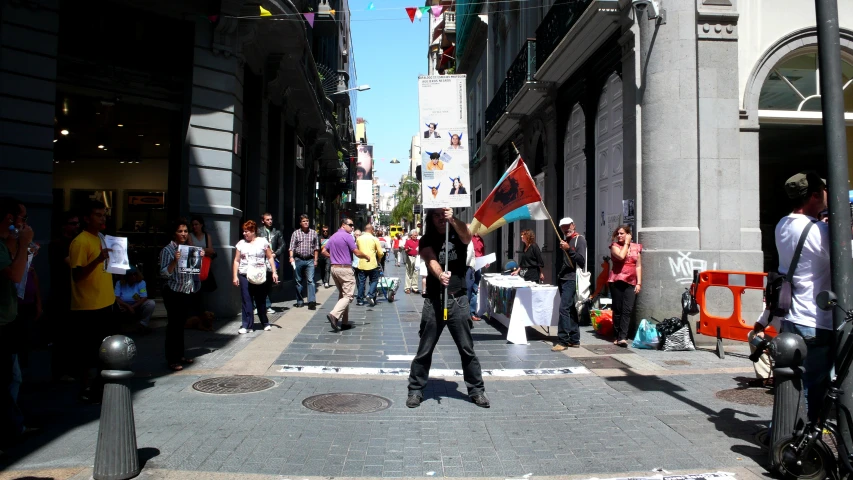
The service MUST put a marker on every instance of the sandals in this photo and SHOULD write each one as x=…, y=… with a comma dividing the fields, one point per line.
x=623, y=343
x=407, y=291
x=187, y=360
x=176, y=367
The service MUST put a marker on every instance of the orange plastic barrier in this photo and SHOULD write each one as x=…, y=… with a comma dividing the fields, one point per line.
x=733, y=327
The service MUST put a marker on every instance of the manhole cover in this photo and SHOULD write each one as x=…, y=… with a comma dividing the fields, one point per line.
x=747, y=396
x=676, y=363
x=232, y=385
x=601, y=362
x=346, y=403
x=607, y=349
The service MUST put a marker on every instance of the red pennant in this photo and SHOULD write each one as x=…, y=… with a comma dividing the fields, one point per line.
x=411, y=11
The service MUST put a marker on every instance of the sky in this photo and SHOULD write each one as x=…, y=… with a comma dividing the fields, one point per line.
x=390, y=53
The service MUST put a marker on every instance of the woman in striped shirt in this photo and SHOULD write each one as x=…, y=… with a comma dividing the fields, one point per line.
x=176, y=294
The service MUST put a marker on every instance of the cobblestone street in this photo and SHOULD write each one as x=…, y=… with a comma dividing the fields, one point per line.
x=657, y=411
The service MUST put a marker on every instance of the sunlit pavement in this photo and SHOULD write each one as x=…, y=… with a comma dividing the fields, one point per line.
x=650, y=410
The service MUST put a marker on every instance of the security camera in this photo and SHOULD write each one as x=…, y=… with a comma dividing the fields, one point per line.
x=650, y=6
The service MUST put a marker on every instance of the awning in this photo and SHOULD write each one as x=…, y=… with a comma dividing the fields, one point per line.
x=446, y=56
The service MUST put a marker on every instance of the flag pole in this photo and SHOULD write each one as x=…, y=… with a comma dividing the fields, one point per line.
x=446, y=259
x=557, y=230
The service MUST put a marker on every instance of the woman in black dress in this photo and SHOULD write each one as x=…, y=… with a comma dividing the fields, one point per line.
x=530, y=263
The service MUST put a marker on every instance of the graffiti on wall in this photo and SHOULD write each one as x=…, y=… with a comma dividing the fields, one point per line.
x=683, y=266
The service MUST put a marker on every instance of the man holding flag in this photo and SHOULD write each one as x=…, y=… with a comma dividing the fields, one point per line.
x=436, y=253
x=568, y=331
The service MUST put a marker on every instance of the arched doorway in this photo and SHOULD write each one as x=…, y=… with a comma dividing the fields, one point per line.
x=608, y=164
x=574, y=169
x=791, y=135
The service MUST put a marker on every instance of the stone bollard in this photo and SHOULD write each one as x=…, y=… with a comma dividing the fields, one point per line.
x=116, y=457
x=789, y=404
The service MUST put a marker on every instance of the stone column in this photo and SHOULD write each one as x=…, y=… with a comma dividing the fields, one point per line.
x=213, y=143
x=28, y=49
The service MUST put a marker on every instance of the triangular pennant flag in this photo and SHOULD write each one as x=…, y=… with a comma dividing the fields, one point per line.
x=411, y=12
x=332, y=11
x=265, y=12
x=309, y=17
x=436, y=10
x=423, y=9
x=420, y=13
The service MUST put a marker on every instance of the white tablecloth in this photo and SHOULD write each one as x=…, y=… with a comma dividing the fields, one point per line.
x=533, y=305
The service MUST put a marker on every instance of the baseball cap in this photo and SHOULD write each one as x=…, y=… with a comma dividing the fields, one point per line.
x=803, y=183
x=566, y=221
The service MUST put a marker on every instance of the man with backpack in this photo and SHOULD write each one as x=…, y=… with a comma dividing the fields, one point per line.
x=803, y=245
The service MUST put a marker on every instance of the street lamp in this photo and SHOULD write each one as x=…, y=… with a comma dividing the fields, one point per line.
x=394, y=161
x=360, y=88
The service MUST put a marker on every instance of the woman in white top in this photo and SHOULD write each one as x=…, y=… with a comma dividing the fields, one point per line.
x=253, y=253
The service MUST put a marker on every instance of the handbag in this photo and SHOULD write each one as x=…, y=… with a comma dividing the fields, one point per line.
x=779, y=292
x=256, y=274
x=205, y=268
x=582, y=283
x=647, y=336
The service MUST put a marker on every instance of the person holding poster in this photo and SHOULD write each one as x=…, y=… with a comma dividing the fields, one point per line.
x=436, y=253
x=178, y=286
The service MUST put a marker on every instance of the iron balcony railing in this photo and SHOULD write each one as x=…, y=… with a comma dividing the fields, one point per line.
x=560, y=19
x=521, y=71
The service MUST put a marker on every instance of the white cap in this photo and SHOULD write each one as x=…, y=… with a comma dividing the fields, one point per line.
x=566, y=221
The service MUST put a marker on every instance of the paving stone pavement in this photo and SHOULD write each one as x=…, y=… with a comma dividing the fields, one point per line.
x=654, y=415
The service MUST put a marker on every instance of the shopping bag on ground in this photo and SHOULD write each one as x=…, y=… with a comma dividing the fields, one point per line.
x=602, y=322
x=647, y=336
x=679, y=341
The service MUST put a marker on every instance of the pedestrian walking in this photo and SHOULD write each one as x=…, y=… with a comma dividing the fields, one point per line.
x=368, y=269
x=92, y=297
x=273, y=236
x=177, y=291
x=625, y=280
x=396, y=247
x=530, y=263
x=574, y=246
x=411, y=250
x=446, y=290
x=325, y=265
x=339, y=250
x=304, y=248
x=251, y=272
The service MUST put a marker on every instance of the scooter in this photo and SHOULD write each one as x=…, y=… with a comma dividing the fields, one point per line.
x=805, y=454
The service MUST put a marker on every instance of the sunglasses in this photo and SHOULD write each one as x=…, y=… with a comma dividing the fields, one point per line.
x=350, y=224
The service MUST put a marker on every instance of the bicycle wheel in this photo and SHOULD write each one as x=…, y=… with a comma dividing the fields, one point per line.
x=816, y=464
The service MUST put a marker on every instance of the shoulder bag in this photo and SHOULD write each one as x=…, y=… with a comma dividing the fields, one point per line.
x=779, y=292
x=582, y=283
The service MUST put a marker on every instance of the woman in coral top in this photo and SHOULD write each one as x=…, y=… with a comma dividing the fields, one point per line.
x=625, y=280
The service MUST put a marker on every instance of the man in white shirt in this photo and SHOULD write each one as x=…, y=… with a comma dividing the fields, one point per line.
x=807, y=194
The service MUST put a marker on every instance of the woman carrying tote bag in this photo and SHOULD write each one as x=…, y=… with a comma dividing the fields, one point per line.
x=252, y=276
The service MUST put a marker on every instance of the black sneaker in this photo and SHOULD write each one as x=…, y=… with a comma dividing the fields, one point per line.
x=480, y=400
x=414, y=400
x=312, y=305
x=299, y=305
x=371, y=301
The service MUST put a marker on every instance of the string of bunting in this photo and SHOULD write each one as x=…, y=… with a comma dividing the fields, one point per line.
x=412, y=12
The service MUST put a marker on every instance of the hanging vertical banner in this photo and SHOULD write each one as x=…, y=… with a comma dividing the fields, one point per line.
x=364, y=192
x=364, y=163
x=444, y=148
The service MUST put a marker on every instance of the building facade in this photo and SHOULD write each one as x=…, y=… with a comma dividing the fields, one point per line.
x=684, y=125
x=175, y=109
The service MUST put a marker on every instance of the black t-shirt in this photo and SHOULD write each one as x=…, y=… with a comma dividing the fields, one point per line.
x=456, y=265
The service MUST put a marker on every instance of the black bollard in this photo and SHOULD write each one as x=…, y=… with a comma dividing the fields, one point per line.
x=789, y=404
x=116, y=457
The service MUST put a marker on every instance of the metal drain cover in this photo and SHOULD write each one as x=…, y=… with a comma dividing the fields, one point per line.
x=607, y=349
x=346, y=403
x=601, y=362
x=762, y=397
x=233, y=385
x=676, y=363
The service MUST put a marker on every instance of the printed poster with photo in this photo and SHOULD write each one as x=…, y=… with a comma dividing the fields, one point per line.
x=190, y=261
x=444, y=146
x=118, y=262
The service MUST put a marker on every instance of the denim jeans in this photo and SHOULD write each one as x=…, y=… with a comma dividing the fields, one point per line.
x=473, y=278
x=818, y=364
x=254, y=295
x=304, y=272
x=459, y=324
x=363, y=277
x=568, y=330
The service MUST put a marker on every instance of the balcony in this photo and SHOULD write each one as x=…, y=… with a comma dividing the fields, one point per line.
x=519, y=96
x=570, y=33
x=449, y=22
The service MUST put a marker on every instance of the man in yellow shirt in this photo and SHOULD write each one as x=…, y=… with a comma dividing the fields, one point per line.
x=368, y=269
x=92, y=294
